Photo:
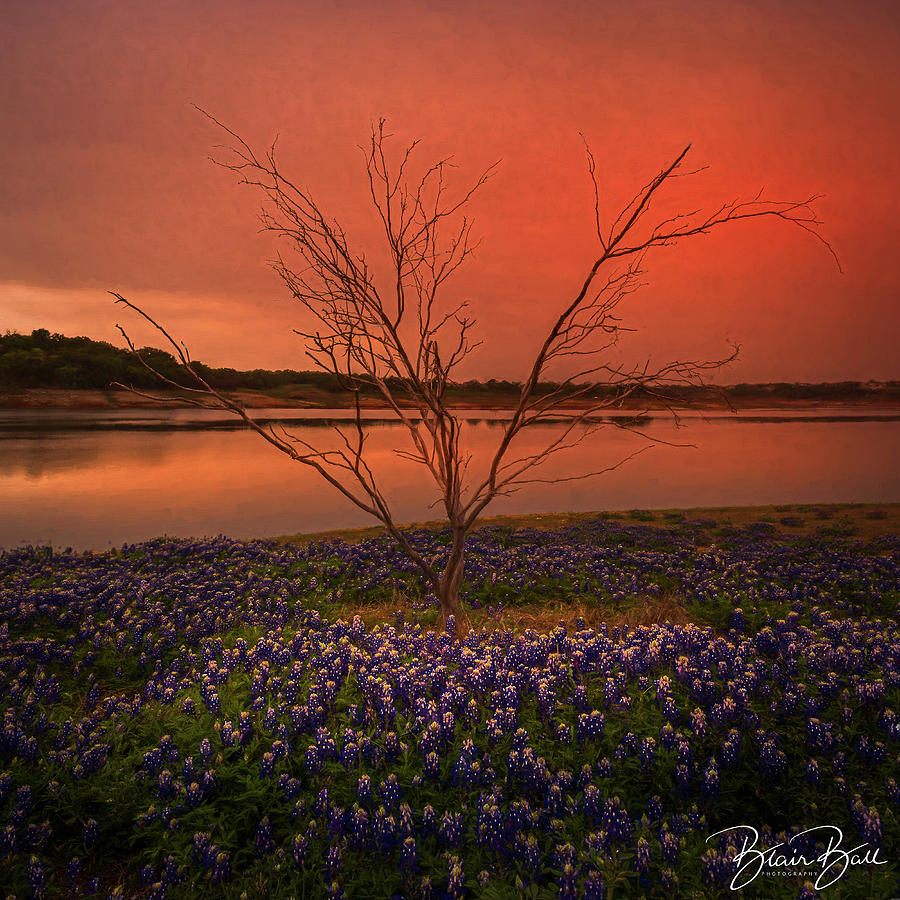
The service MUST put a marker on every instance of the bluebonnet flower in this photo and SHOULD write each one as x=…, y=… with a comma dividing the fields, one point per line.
x=245, y=728
x=389, y=789
x=359, y=828
x=568, y=883
x=227, y=734
x=391, y=745
x=364, y=789
x=431, y=765
x=490, y=830
x=594, y=888
x=312, y=758
x=333, y=861
x=772, y=761
x=221, y=868
x=819, y=735
x=528, y=850
x=428, y=819
x=263, y=842
x=717, y=868
x=669, y=845
x=839, y=763
x=89, y=832
x=867, y=821
x=166, y=786
x=892, y=789
x=698, y=722
x=668, y=881
x=8, y=841
x=731, y=748
x=36, y=876
x=668, y=736
x=872, y=752
x=300, y=851
x=451, y=828
x=325, y=744
x=73, y=869
x=455, y=884
x=642, y=860
x=407, y=824
x=711, y=780
x=409, y=859
x=385, y=829
x=580, y=699
x=593, y=803
x=617, y=822
x=812, y=771
x=465, y=771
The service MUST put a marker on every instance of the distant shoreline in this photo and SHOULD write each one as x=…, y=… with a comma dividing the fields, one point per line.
x=60, y=398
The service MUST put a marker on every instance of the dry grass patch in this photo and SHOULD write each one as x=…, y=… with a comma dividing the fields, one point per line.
x=539, y=617
x=641, y=611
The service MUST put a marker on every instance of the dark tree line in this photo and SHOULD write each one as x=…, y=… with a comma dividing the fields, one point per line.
x=42, y=359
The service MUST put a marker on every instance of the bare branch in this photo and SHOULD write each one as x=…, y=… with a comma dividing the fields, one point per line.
x=388, y=335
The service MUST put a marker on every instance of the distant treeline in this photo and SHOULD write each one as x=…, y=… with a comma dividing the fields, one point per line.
x=47, y=360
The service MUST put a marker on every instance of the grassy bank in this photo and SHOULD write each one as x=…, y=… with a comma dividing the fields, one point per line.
x=707, y=525
x=217, y=718
x=864, y=520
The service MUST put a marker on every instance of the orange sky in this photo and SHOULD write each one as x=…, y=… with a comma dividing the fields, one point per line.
x=106, y=184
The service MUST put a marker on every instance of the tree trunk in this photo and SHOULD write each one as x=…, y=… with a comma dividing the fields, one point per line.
x=451, y=578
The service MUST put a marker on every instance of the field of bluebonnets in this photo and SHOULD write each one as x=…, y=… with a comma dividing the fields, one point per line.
x=208, y=718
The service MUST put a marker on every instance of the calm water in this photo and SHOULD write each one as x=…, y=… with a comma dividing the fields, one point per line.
x=91, y=480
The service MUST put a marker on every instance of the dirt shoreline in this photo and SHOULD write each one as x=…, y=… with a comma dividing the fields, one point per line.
x=54, y=398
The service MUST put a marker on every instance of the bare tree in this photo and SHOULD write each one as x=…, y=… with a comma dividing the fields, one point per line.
x=393, y=337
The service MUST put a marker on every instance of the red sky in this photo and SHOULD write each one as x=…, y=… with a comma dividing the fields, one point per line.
x=106, y=183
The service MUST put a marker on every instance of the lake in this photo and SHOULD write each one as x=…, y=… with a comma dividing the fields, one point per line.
x=92, y=479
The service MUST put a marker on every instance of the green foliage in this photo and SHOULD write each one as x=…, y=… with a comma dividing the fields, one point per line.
x=134, y=831
x=47, y=360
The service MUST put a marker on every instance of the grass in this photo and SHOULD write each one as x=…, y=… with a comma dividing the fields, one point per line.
x=743, y=668
x=869, y=520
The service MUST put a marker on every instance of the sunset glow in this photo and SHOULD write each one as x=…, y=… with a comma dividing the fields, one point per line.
x=107, y=185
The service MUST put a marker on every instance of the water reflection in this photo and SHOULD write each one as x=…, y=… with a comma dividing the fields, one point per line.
x=92, y=489
x=43, y=421
x=35, y=457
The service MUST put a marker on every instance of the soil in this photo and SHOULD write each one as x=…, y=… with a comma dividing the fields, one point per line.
x=58, y=398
